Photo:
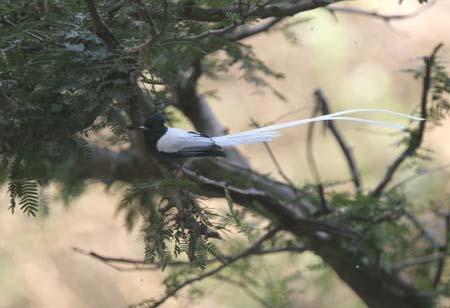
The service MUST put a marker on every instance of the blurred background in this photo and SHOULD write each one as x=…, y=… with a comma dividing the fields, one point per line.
x=357, y=61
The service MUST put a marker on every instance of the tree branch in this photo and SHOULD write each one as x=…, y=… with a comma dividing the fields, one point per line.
x=212, y=32
x=331, y=242
x=314, y=169
x=444, y=250
x=423, y=231
x=400, y=266
x=374, y=14
x=323, y=105
x=280, y=9
x=244, y=287
x=276, y=163
x=418, y=174
x=100, y=29
x=417, y=136
x=246, y=31
x=148, y=43
x=142, y=265
x=176, y=289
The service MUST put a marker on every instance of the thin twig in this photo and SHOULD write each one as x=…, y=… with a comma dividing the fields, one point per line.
x=208, y=33
x=245, y=288
x=110, y=261
x=276, y=162
x=414, y=144
x=313, y=167
x=47, y=38
x=176, y=289
x=419, y=173
x=423, y=231
x=284, y=115
x=148, y=17
x=247, y=31
x=142, y=265
x=400, y=266
x=100, y=29
x=351, y=162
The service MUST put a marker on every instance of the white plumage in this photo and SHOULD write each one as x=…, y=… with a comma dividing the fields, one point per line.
x=176, y=140
x=270, y=132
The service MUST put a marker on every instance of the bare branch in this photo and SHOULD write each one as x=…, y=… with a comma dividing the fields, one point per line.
x=346, y=150
x=100, y=29
x=109, y=261
x=423, y=231
x=314, y=169
x=418, y=136
x=217, y=32
x=248, y=31
x=277, y=164
x=142, y=265
x=148, y=17
x=244, y=287
x=374, y=14
x=176, y=289
x=418, y=174
x=400, y=266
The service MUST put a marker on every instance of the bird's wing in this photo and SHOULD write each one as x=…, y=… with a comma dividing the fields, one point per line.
x=177, y=140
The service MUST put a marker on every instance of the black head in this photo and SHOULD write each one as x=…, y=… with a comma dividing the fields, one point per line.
x=155, y=120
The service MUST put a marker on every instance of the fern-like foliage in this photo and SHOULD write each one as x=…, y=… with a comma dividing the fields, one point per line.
x=22, y=188
x=26, y=190
x=81, y=146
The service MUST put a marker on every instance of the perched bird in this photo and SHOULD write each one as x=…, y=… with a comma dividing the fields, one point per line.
x=168, y=142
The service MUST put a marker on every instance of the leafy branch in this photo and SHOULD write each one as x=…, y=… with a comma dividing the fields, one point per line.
x=416, y=135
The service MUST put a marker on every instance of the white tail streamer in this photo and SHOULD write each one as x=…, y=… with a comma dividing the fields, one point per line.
x=270, y=132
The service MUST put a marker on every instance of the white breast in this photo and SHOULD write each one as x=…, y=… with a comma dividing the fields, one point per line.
x=175, y=140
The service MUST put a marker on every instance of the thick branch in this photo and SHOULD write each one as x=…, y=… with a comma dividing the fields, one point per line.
x=257, y=191
x=280, y=9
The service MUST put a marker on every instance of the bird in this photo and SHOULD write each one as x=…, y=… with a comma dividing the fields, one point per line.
x=175, y=143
